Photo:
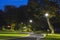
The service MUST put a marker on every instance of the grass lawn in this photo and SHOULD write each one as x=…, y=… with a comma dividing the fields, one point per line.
x=10, y=36
x=52, y=37
x=5, y=36
x=14, y=35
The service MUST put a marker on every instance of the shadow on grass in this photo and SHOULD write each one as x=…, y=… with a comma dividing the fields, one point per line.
x=51, y=39
x=16, y=38
x=25, y=38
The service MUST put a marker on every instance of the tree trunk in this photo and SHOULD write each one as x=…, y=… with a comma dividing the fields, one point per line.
x=50, y=26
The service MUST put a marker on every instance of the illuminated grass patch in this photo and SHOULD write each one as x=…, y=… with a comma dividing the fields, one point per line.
x=52, y=37
x=14, y=35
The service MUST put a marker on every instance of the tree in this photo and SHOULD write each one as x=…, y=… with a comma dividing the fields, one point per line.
x=34, y=14
x=11, y=16
x=2, y=22
x=45, y=6
x=51, y=8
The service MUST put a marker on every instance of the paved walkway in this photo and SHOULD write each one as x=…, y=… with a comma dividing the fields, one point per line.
x=31, y=36
x=25, y=38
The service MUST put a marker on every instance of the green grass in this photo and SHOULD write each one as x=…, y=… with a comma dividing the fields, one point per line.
x=14, y=35
x=52, y=37
x=5, y=35
x=10, y=36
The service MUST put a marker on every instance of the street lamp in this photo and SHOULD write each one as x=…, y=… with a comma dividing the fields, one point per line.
x=49, y=24
x=30, y=21
x=46, y=15
x=30, y=24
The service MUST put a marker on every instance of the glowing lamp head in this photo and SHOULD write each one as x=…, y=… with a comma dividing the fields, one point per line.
x=30, y=21
x=46, y=15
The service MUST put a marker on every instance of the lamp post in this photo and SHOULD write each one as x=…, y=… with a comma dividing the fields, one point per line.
x=30, y=24
x=49, y=24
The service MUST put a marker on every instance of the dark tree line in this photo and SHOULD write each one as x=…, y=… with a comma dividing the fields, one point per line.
x=34, y=11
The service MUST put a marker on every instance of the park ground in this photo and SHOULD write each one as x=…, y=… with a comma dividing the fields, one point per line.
x=6, y=36
x=10, y=36
x=52, y=37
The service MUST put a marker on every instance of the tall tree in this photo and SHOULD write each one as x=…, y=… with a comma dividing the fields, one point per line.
x=2, y=22
x=42, y=8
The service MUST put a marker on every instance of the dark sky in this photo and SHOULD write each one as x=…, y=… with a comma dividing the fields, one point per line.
x=16, y=3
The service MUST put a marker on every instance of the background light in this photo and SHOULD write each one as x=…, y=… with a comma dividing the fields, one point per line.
x=9, y=26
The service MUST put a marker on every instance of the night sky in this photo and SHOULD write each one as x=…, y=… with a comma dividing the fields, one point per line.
x=16, y=3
